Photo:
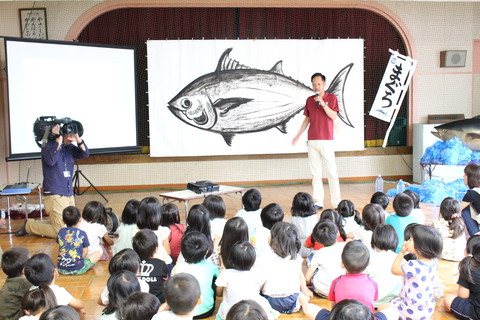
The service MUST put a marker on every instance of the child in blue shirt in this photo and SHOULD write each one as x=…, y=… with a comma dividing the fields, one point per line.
x=196, y=250
x=403, y=206
x=73, y=245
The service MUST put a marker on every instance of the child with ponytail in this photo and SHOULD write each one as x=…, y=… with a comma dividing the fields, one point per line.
x=452, y=228
x=466, y=303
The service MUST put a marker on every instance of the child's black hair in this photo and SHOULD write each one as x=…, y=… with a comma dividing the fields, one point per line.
x=60, y=313
x=346, y=208
x=472, y=260
x=350, y=309
x=140, y=305
x=149, y=215
x=472, y=242
x=71, y=216
x=271, y=214
x=355, y=257
x=129, y=213
x=407, y=232
x=251, y=200
x=427, y=241
x=39, y=269
x=215, y=205
x=242, y=256
x=145, y=243
x=181, y=292
x=334, y=216
x=120, y=285
x=325, y=232
x=198, y=219
x=402, y=205
x=170, y=214
x=384, y=238
x=95, y=212
x=415, y=198
x=381, y=199
x=284, y=240
x=195, y=247
x=303, y=205
x=236, y=229
x=472, y=172
x=246, y=309
x=38, y=300
x=13, y=261
x=126, y=259
x=372, y=216
x=450, y=210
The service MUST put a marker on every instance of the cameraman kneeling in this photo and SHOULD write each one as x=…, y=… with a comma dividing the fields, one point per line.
x=57, y=163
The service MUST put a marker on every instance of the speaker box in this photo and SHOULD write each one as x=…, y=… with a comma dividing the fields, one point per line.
x=453, y=58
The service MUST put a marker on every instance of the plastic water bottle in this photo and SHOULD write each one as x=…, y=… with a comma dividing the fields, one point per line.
x=2, y=215
x=379, y=184
x=400, y=186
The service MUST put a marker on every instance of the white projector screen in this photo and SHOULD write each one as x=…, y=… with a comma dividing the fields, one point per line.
x=92, y=84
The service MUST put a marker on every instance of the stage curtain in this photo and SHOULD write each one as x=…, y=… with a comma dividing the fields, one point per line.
x=134, y=26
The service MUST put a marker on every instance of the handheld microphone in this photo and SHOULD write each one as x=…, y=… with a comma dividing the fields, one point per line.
x=317, y=94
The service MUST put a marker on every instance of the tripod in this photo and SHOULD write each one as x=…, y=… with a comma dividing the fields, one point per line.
x=76, y=183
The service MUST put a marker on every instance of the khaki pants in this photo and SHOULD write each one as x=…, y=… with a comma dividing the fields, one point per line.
x=54, y=206
x=321, y=155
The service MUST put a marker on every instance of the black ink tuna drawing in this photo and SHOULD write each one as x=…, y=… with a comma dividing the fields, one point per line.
x=237, y=99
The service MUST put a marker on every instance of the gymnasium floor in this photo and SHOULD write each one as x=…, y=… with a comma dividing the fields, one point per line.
x=89, y=286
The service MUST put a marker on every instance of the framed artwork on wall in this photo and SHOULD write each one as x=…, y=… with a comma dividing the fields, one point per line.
x=33, y=23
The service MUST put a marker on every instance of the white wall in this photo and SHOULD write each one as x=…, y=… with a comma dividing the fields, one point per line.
x=435, y=27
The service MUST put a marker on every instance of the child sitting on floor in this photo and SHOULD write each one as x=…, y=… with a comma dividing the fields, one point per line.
x=196, y=249
x=152, y=270
x=171, y=219
x=251, y=200
x=403, y=206
x=354, y=284
x=217, y=210
x=40, y=269
x=282, y=269
x=326, y=262
x=129, y=220
x=182, y=293
x=270, y=215
x=73, y=257
x=16, y=285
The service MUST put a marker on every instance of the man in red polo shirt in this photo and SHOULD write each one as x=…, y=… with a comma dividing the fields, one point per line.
x=320, y=112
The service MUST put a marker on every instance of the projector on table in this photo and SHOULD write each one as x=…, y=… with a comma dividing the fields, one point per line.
x=203, y=186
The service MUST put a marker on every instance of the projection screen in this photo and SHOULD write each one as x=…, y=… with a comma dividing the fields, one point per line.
x=92, y=84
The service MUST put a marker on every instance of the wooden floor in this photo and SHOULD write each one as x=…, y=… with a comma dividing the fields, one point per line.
x=89, y=286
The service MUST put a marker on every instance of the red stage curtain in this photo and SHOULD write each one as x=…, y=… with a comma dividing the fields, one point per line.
x=134, y=26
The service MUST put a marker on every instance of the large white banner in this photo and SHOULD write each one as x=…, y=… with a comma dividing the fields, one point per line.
x=392, y=90
x=228, y=97
x=394, y=86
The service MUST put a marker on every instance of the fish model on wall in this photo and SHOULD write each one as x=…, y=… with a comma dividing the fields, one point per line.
x=237, y=99
x=467, y=130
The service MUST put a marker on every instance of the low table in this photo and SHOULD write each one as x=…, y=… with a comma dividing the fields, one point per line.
x=187, y=195
x=30, y=187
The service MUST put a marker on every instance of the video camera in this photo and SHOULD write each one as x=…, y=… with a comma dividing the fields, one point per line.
x=42, y=128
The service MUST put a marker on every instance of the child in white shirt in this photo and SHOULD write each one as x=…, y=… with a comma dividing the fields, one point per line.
x=251, y=200
x=325, y=265
x=94, y=222
x=241, y=281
